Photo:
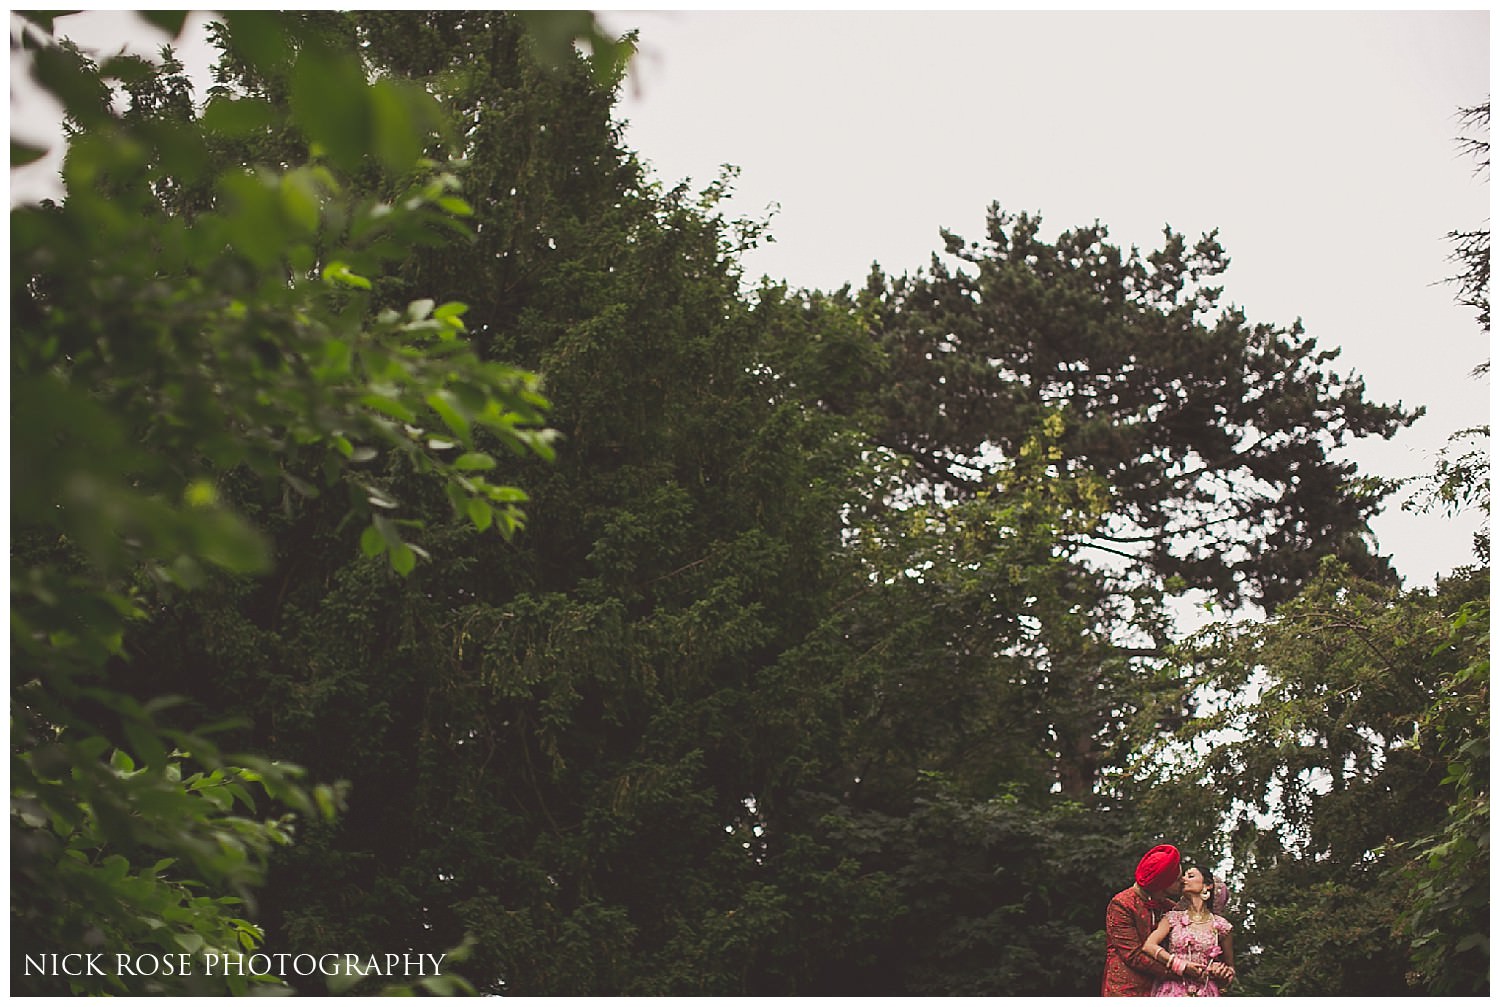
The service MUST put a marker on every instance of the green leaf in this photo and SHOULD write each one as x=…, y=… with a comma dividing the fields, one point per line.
x=255, y=220
x=390, y=407
x=450, y=314
x=114, y=868
x=77, y=86
x=389, y=531
x=226, y=540
x=371, y=542
x=339, y=272
x=201, y=493
x=330, y=101
x=506, y=494
x=398, y=134
x=299, y=200
x=43, y=18
x=403, y=560
x=169, y=21
x=127, y=69
x=259, y=38
x=337, y=362
x=445, y=405
x=92, y=747
x=22, y=154
x=480, y=513
x=326, y=800
x=146, y=745
x=473, y=461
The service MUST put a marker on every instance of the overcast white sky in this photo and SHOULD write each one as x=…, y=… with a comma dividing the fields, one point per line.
x=1321, y=146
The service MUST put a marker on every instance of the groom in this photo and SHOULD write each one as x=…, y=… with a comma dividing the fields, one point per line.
x=1132, y=915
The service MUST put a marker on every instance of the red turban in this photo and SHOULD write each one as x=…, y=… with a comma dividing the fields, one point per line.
x=1159, y=868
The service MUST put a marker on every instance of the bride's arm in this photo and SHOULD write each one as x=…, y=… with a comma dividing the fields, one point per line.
x=1153, y=947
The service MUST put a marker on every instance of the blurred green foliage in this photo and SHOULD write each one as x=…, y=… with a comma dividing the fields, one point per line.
x=186, y=328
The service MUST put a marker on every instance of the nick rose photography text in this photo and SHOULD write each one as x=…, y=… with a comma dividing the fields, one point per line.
x=100, y=963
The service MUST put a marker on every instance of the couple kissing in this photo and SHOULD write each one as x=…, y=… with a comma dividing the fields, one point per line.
x=1164, y=934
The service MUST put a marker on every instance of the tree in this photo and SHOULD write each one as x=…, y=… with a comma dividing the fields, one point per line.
x=1357, y=755
x=1337, y=776
x=1445, y=908
x=1213, y=433
x=957, y=896
x=1446, y=880
x=1198, y=452
x=170, y=361
x=558, y=744
x=1471, y=249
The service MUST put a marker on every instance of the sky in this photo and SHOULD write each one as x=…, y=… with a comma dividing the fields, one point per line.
x=1321, y=146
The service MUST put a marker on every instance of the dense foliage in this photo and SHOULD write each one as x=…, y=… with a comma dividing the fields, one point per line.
x=831, y=650
x=1355, y=781
x=179, y=367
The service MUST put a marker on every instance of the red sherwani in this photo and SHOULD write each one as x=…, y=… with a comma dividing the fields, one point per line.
x=1129, y=971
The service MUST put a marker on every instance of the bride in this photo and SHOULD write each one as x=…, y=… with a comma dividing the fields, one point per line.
x=1194, y=932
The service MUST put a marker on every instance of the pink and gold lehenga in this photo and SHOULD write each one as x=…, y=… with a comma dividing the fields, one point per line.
x=1193, y=942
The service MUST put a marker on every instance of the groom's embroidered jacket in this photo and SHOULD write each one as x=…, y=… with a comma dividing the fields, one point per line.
x=1129, y=971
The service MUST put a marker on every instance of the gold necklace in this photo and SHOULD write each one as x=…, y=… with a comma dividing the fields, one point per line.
x=1199, y=916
